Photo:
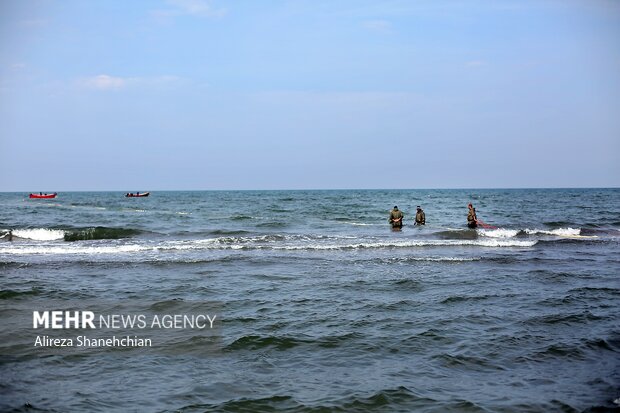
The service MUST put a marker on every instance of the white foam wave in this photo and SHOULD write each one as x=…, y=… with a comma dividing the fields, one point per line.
x=61, y=250
x=412, y=244
x=40, y=234
x=498, y=233
x=342, y=244
x=510, y=233
x=197, y=245
x=443, y=259
x=562, y=232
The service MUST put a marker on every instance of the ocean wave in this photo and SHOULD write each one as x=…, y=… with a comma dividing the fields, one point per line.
x=11, y=294
x=79, y=234
x=60, y=250
x=456, y=234
x=599, y=344
x=313, y=243
x=595, y=291
x=13, y=264
x=604, y=232
x=460, y=361
x=432, y=336
x=407, y=283
x=277, y=243
x=412, y=244
x=39, y=234
x=558, y=223
x=511, y=233
x=99, y=233
x=561, y=232
x=506, y=233
x=463, y=298
x=227, y=232
x=228, y=240
x=237, y=239
x=499, y=233
x=386, y=400
x=563, y=318
x=241, y=217
x=436, y=259
x=254, y=342
x=393, y=399
x=558, y=350
x=272, y=224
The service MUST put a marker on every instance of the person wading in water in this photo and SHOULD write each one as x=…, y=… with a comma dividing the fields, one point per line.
x=396, y=218
x=420, y=217
x=472, y=220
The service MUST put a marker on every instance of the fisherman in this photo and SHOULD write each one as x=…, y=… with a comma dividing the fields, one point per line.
x=396, y=218
x=420, y=217
x=472, y=220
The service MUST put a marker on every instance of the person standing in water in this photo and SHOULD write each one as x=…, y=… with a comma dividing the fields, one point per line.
x=420, y=217
x=472, y=220
x=396, y=218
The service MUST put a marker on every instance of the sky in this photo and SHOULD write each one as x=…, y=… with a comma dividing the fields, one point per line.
x=308, y=94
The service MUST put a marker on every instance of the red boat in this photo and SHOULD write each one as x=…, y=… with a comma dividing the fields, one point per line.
x=43, y=196
x=137, y=194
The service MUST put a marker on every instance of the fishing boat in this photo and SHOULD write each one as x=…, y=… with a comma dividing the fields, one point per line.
x=137, y=194
x=43, y=196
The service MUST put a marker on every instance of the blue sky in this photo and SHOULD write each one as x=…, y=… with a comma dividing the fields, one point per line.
x=191, y=94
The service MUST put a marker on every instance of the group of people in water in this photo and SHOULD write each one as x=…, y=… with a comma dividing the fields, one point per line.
x=396, y=217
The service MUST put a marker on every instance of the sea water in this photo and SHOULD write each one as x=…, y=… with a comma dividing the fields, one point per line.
x=323, y=307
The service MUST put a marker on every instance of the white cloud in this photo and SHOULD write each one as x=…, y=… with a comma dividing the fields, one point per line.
x=103, y=82
x=107, y=82
x=197, y=7
x=200, y=8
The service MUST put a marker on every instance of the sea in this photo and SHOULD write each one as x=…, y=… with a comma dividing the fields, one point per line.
x=321, y=306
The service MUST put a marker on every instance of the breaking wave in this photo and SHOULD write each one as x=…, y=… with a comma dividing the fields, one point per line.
x=267, y=242
x=561, y=232
x=55, y=250
x=80, y=234
x=499, y=233
x=39, y=234
x=510, y=233
x=99, y=233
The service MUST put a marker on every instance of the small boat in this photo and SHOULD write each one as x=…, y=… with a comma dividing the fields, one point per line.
x=43, y=196
x=137, y=194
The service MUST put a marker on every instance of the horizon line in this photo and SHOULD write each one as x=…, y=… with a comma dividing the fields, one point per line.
x=318, y=189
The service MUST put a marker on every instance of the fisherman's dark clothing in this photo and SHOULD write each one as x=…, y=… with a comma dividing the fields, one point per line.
x=420, y=218
x=471, y=218
x=395, y=214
